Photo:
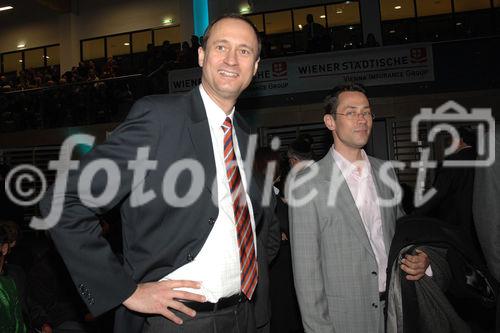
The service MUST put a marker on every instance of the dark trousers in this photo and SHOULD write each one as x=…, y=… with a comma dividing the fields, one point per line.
x=234, y=319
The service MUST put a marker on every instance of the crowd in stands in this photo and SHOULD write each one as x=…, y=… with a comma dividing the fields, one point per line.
x=314, y=38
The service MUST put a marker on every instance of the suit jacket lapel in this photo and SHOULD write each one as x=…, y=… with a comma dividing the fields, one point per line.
x=382, y=192
x=345, y=201
x=199, y=131
x=243, y=135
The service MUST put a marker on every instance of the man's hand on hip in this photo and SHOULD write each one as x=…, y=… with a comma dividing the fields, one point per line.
x=158, y=297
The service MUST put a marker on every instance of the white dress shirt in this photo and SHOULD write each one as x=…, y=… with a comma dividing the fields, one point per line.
x=359, y=178
x=217, y=266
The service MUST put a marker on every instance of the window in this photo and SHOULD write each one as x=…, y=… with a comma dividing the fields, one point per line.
x=93, y=49
x=172, y=34
x=346, y=13
x=429, y=8
x=399, y=32
x=34, y=58
x=53, y=55
x=398, y=21
x=467, y=5
x=278, y=22
x=118, y=45
x=12, y=62
x=434, y=20
x=258, y=21
x=472, y=18
x=140, y=41
x=300, y=16
x=396, y=9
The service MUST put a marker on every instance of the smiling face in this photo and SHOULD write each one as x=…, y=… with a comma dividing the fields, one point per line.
x=350, y=134
x=229, y=61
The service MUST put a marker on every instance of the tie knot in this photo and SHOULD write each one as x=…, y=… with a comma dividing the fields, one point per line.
x=227, y=124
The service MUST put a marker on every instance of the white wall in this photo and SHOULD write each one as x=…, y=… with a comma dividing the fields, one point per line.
x=89, y=18
x=34, y=34
x=115, y=16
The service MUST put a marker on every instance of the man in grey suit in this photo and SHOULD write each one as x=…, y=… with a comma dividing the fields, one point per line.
x=342, y=219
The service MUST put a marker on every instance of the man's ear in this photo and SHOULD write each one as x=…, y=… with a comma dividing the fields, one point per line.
x=201, y=56
x=256, y=66
x=329, y=122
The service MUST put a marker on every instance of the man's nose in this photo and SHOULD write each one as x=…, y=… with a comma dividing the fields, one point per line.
x=231, y=58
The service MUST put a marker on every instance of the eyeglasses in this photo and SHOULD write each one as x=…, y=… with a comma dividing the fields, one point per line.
x=352, y=115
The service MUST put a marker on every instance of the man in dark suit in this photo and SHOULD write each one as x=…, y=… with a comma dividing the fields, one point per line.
x=190, y=211
x=452, y=202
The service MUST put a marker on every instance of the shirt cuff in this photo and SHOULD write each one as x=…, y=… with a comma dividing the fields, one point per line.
x=428, y=271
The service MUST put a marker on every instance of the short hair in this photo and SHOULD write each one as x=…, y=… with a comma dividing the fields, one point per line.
x=332, y=100
x=301, y=148
x=11, y=228
x=208, y=30
x=467, y=135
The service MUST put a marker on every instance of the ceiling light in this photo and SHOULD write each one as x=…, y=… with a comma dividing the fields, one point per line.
x=397, y=7
x=244, y=9
x=392, y=31
x=351, y=27
x=6, y=8
x=168, y=21
x=339, y=11
x=126, y=44
x=322, y=16
x=21, y=45
x=459, y=23
x=20, y=60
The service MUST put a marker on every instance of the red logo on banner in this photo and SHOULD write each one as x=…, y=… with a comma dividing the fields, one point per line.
x=418, y=55
x=279, y=69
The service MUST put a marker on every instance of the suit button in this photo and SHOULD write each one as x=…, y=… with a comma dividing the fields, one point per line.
x=211, y=221
x=374, y=305
x=374, y=273
x=190, y=257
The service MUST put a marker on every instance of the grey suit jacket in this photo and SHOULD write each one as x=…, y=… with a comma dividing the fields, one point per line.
x=486, y=210
x=335, y=270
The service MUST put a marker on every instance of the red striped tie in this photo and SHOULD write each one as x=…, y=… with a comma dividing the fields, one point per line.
x=248, y=263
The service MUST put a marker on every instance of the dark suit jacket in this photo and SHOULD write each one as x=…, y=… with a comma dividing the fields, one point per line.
x=158, y=237
x=268, y=245
x=453, y=201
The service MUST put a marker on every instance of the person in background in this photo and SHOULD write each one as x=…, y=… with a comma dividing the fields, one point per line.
x=11, y=292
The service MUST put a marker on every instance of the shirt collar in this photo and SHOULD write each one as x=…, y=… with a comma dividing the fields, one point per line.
x=347, y=168
x=215, y=115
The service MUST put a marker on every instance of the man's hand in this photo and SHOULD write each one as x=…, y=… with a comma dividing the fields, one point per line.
x=415, y=266
x=158, y=297
x=46, y=328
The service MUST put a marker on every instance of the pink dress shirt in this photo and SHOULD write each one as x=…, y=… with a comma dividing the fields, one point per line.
x=358, y=176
